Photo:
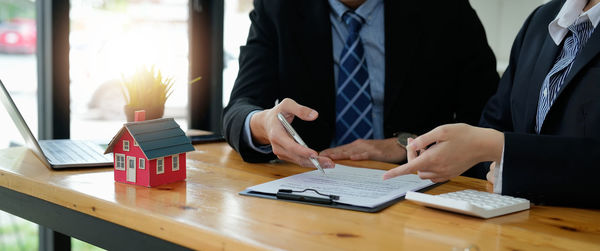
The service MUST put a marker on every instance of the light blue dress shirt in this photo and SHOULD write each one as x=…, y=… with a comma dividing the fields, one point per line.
x=373, y=38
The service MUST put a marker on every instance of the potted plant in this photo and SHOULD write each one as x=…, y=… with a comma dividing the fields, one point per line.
x=148, y=90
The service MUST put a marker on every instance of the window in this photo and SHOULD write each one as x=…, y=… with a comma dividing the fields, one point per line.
x=126, y=145
x=135, y=143
x=235, y=33
x=142, y=163
x=175, y=166
x=160, y=166
x=120, y=165
x=502, y=21
x=19, y=70
x=110, y=39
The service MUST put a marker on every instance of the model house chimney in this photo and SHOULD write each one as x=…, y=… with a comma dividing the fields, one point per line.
x=140, y=115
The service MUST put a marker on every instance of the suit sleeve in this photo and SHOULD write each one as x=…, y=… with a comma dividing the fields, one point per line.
x=477, y=77
x=552, y=170
x=255, y=87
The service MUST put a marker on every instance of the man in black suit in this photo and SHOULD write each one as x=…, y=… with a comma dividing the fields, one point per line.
x=428, y=64
x=548, y=107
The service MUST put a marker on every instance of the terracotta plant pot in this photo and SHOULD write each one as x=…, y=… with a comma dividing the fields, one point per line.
x=154, y=112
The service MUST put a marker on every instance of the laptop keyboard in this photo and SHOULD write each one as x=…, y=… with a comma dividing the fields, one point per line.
x=72, y=152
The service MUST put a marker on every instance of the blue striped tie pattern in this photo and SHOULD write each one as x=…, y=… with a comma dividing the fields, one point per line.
x=554, y=81
x=353, y=96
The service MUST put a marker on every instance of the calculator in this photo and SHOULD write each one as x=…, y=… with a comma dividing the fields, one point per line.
x=471, y=202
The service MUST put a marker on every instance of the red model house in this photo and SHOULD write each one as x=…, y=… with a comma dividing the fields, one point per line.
x=150, y=153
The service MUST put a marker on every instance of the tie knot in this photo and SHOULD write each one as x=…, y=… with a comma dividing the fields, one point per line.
x=582, y=29
x=353, y=20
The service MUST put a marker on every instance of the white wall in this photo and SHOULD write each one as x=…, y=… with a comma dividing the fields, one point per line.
x=502, y=20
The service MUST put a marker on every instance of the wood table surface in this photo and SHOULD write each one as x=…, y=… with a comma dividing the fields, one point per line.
x=205, y=211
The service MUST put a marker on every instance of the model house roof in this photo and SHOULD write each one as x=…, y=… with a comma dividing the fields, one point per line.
x=156, y=138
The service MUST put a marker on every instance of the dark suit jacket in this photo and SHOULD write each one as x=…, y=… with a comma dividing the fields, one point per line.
x=439, y=68
x=560, y=166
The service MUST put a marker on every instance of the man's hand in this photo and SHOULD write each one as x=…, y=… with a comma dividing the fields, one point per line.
x=266, y=129
x=457, y=148
x=386, y=150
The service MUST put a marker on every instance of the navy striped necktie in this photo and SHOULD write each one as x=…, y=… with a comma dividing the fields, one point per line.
x=353, y=95
x=554, y=81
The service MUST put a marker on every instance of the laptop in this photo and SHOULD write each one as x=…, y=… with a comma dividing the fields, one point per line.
x=56, y=154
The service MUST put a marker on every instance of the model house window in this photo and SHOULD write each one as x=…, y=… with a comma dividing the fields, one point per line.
x=175, y=163
x=131, y=162
x=135, y=143
x=120, y=161
x=160, y=166
x=126, y=145
x=142, y=163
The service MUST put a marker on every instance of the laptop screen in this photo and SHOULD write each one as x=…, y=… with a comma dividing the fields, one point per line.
x=19, y=122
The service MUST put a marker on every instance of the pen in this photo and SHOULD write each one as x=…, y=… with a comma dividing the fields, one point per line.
x=297, y=138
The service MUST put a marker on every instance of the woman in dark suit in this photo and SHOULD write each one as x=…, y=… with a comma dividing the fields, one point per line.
x=542, y=127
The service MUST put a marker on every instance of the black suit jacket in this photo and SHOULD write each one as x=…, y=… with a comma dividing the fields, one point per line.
x=439, y=68
x=560, y=166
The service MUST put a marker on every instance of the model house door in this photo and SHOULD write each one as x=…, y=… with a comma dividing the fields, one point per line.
x=131, y=169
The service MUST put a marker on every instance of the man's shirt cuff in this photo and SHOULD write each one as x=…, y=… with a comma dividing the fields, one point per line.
x=498, y=175
x=247, y=136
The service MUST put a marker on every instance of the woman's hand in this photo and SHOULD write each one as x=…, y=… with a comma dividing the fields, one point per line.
x=491, y=176
x=449, y=150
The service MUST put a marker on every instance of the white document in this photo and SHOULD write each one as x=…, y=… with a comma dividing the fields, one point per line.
x=355, y=186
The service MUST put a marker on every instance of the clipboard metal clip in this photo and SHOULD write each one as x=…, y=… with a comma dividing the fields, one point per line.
x=288, y=194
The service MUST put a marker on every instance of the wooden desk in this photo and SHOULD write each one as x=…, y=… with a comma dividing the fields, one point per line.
x=206, y=212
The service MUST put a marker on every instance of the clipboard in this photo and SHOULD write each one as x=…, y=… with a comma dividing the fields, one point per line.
x=331, y=204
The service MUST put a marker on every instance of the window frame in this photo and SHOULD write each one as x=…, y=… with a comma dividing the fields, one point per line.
x=117, y=156
x=162, y=161
x=174, y=167
x=126, y=145
x=205, y=104
x=142, y=164
x=53, y=28
x=206, y=54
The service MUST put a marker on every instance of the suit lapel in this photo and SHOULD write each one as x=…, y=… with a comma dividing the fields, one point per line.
x=544, y=63
x=313, y=38
x=589, y=51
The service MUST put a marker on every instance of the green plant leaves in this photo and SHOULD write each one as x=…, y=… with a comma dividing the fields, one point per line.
x=146, y=88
